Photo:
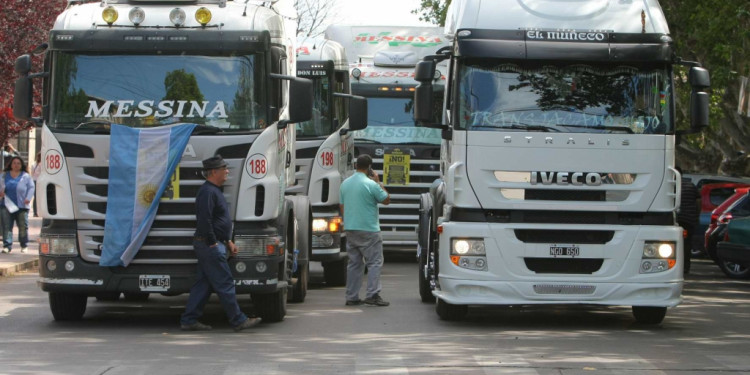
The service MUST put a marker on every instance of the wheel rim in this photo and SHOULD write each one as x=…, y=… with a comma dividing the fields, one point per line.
x=735, y=268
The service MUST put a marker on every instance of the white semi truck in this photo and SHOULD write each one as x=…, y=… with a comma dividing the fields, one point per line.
x=221, y=65
x=558, y=183
x=382, y=60
x=325, y=149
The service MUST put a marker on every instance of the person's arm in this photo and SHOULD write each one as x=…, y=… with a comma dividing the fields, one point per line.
x=379, y=197
x=204, y=214
x=30, y=187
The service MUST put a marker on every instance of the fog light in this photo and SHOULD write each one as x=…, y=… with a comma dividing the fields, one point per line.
x=203, y=16
x=137, y=15
x=325, y=240
x=240, y=267
x=481, y=263
x=177, y=17
x=51, y=265
x=356, y=73
x=69, y=266
x=464, y=262
x=261, y=267
x=646, y=266
x=109, y=15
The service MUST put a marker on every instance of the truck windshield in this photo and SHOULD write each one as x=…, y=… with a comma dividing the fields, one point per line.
x=390, y=120
x=90, y=91
x=321, y=122
x=583, y=98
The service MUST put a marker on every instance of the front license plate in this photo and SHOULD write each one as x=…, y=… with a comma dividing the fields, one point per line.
x=564, y=251
x=154, y=283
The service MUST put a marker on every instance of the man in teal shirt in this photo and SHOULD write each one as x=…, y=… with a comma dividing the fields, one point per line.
x=360, y=195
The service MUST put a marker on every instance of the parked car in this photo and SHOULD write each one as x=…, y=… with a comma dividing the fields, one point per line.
x=736, y=245
x=712, y=195
x=739, y=210
x=710, y=245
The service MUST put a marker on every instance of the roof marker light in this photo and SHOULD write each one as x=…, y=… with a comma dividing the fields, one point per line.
x=137, y=15
x=203, y=16
x=177, y=17
x=109, y=15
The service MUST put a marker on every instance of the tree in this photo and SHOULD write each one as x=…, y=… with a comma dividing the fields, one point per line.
x=314, y=16
x=433, y=11
x=24, y=24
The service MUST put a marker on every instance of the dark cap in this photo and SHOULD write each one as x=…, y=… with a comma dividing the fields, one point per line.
x=214, y=162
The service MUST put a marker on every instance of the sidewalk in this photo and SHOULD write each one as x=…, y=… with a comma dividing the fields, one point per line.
x=15, y=261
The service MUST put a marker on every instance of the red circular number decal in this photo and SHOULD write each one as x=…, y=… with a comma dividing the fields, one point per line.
x=53, y=161
x=325, y=158
x=257, y=166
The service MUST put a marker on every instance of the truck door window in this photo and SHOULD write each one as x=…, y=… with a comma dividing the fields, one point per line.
x=224, y=92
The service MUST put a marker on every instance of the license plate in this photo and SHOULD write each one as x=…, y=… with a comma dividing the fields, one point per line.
x=564, y=251
x=154, y=283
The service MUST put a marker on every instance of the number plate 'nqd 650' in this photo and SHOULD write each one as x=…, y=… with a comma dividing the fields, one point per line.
x=154, y=283
x=564, y=250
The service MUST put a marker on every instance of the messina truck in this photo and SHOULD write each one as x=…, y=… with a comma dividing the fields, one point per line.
x=558, y=183
x=382, y=60
x=325, y=149
x=221, y=65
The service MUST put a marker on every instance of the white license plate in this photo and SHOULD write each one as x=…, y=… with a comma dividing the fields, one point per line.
x=154, y=283
x=564, y=251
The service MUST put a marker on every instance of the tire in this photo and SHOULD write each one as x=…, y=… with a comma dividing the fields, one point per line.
x=334, y=273
x=136, y=297
x=67, y=306
x=425, y=291
x=271, y=307
x=299, y=290
x=733, y=270
x=108, y=296
x=450, y=312
x=649, y=314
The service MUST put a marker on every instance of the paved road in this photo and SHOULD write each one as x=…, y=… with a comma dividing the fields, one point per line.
x=708, y=334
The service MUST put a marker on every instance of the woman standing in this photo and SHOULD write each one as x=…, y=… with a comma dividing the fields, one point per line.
x=17, y=190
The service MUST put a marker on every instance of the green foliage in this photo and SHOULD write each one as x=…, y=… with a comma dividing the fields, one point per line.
x=181, y=85
x=432, y=11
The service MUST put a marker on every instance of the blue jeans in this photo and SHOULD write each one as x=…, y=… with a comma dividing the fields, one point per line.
x=214, y=275
x=21, y=218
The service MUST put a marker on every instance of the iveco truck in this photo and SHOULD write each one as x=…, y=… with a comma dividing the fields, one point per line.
x=557, y=171
x=221, y=66
x=382, y=60
x=325, y=149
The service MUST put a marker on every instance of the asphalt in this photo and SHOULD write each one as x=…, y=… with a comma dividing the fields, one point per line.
x=15, y=261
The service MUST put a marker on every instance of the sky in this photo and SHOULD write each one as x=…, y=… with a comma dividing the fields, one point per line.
x=380, y=12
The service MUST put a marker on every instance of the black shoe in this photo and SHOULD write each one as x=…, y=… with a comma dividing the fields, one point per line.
x=197, y=326
x=248, y=323
x=376, y=300
x=355, y=302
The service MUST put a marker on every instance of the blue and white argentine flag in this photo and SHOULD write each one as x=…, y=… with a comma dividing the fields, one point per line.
x=141, y=163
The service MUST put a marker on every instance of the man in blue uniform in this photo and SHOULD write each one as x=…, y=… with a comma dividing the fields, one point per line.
x=212, y=241
x=360, y=195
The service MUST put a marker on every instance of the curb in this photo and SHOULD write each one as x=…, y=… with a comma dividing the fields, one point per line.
x=10, y=271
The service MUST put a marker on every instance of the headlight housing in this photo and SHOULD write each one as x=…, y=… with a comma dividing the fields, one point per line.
x=326, y=224
x=658, y=256
x=469, y=253
x=59, y=246
x=257, y=246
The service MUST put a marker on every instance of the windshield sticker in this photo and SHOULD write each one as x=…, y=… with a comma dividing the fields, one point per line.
x=396, y=168
x=160, y=109
x=568, y=36
x=398, y=40
x=395, y=134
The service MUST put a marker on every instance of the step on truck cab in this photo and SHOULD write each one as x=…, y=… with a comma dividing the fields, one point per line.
x=224, y=67
x=557, y=180
x=325, y=149
x=382, y=60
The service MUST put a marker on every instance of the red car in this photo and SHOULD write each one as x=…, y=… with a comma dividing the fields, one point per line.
x=717, y=213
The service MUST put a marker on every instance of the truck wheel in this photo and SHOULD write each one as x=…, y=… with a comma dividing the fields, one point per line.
x=425, y=291
x=299, y=290
x=108, y=296
x=271, y=307
x=67, y=306
x=447, y=311
x=733, y=270
x=334, y=273
x=136, y=297
x=649, y=314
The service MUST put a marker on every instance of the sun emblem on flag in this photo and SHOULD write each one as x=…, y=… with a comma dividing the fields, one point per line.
x=146, y=194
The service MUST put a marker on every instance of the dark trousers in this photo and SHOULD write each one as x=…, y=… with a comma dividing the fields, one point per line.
x=214, y=275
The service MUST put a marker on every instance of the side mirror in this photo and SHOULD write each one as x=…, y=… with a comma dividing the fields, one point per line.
x=357, y=113
x=23, y=65
x=425, y=71
x=300, y=100
x=699, y=99
x=423, y=106
x=22, y=98
x=699, y=78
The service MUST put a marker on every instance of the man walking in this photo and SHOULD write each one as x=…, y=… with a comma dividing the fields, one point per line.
x=211, y=243
x=360, y=195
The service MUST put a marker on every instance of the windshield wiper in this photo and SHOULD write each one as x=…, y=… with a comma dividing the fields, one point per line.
x=623, y=129
x=365, y=140
x=95, y=124
x=540, y=128
x=206, y=129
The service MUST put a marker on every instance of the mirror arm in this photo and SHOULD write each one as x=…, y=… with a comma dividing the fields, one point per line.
x=689, y=64
x=343, y=131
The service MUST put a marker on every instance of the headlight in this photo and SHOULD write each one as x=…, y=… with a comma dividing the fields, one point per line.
x=252, y=246
x=109, y=15
x=327, y=224
x=658, y=257
x=319, y=225
x=468, y=246
x=65, y=246
x=666, y=250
